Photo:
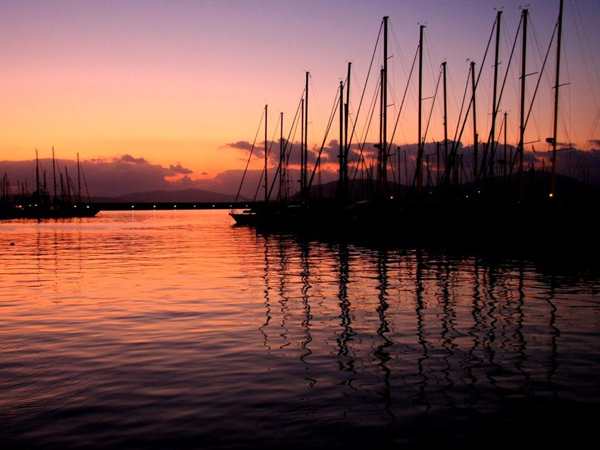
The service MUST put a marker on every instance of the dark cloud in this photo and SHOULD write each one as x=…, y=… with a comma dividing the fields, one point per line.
x=103, y=177
x=179, y=169
x=240, y=145
x=128, y=174
x=131, y=159
x=595, y=143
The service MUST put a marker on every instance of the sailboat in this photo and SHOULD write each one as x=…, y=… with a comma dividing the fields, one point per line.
x=41, y=204
x=481, y=211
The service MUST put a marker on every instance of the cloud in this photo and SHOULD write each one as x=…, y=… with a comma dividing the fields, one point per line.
x=178, y=169
x=131, y=159
x=240, y=145
x=129, y=174
x=103, y=177
x=595, y=143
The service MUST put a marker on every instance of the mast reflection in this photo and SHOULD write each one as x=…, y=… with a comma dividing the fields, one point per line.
x=388, y=326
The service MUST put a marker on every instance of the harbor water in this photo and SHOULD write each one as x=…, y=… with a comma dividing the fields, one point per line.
x=176, y=329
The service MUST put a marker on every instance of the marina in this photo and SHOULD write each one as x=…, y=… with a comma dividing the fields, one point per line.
x=498, y=197
x=415, y=268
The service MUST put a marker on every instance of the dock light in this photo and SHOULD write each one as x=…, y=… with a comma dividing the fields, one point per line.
x=88, y=206
x=213, y=206
x=154, y=206
x=391, y=197
x=132, y=206
x=174, y=206
x=194, y=206
x=551, y=195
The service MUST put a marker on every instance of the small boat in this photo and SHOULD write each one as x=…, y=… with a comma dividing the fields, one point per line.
x=246, y=217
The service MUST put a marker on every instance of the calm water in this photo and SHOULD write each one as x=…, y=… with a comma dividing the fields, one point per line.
x=178, y=330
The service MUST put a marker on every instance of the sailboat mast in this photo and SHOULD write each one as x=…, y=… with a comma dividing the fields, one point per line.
x=522, y=113
x=475, y=136
x=266, y=157
x=505, y=143
x=420, y=113
x=446, y=162
x=78, y=180
x=54, y=172
x=380, y=155
x=305, y=150
x=556, y=99
x=346, y=121
x=495, y=99
x=384, y=148
x=37, y=173
x=281, y=158
x=342, y=150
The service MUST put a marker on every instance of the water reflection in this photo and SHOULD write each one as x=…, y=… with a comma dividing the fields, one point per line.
x=178, y=328
x=415, y=331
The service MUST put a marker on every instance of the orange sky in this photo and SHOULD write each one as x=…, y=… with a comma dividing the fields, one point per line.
x=175, y=82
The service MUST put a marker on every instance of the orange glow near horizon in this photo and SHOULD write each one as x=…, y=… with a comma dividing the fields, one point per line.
x=179, y=83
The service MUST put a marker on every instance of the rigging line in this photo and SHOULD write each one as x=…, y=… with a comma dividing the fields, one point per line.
x=317, y=107
x=453, y=150
x=455, y=143
x=462, y=105
x=405, y=93
x=510, y=60
x=85, y=184
x=331, y=119
x=287, y=152
x=432, y=105
x=360, y=154
x=250, y=156
x=541, y=73
x=369, y=120
x=275, y=176
x=292, y=133
x=362, y=96
x=540, y=78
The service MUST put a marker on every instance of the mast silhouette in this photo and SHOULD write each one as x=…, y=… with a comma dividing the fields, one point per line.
x=522, y=113
x=266, y=157
x=475, y=136
x=556, y=99
x=304, y=146
x=446, y=162
x=492, y=143
x=342, y=149
x=54, y=173
x=281, y=158
x=420, y=126
x=383, y=148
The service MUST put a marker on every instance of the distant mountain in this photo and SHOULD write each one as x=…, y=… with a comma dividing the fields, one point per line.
x=182, y=196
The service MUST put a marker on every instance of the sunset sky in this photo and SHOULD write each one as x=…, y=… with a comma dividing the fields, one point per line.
x=175, y=81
